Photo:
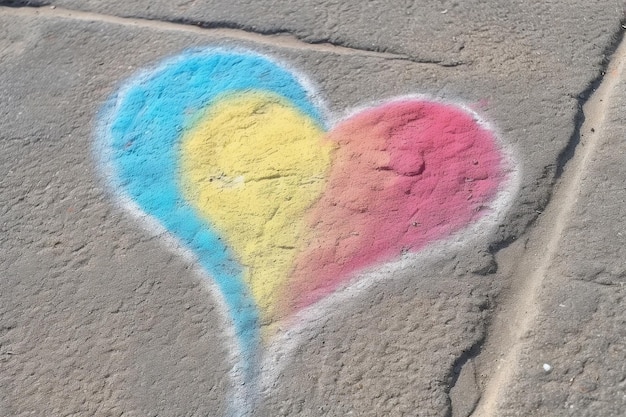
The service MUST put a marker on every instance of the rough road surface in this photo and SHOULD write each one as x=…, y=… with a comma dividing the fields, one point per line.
x=505, y=298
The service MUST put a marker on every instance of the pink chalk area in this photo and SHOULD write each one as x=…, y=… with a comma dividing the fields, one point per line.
x=405, y=174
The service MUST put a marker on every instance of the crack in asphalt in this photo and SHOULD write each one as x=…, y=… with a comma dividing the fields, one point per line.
x=220, y=29
x=457, y=367
x=505, y=337
x=487, y=405
x=563, y=159
x=568, y=151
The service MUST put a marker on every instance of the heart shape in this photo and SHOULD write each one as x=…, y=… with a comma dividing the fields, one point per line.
x=229, y=152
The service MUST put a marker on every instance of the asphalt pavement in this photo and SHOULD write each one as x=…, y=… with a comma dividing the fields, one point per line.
x=295, y=208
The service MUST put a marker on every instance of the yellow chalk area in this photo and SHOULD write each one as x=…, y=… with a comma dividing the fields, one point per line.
x=251, y=166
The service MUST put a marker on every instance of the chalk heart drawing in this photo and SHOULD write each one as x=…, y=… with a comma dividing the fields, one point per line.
x=231, y=153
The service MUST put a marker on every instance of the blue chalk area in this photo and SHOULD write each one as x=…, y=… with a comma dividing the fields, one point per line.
x=143, y=124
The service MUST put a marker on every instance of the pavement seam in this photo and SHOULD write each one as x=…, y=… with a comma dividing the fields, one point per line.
x=230, y=30
x=514, y=324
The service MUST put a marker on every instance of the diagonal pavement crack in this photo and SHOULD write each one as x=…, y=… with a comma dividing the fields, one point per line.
x=224, y=29
x=568, y=151
x=566, y=154
x=519, y=307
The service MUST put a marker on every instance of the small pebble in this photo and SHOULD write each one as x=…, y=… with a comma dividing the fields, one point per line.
x=547, y=367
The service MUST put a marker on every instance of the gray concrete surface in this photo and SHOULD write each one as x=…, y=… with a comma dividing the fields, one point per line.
x=578, y=332
x=446, y=32
x=99, y=317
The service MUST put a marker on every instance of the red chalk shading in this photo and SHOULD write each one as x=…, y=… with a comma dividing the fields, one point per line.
x=405, y=174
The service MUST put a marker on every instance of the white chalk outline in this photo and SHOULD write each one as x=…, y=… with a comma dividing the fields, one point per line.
x=275, y=357
x=282, y=346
